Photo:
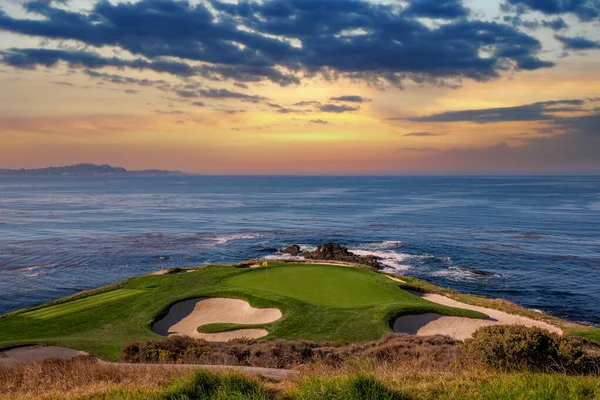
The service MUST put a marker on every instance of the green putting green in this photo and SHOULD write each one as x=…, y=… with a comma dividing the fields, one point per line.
x=328, y=286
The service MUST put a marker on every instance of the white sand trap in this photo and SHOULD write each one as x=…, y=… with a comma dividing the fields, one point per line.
x=459, y=327
x=396, y=279
x=185, y=317
x=34, y=353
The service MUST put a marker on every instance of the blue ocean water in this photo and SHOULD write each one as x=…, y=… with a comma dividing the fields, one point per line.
x=539, y=237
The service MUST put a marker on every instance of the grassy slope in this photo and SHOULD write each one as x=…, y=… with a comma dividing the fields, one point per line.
x=103, y=321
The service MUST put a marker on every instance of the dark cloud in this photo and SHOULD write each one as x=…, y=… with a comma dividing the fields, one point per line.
x=131, y=91
x=585, y=10
x=254, y=41
x=63, y=83
x=30, y=58
x=350, y=99
x=438, y=9
x=228, y=94
x=422, y=134
x=308, y=103
x=187, y=93
x=126, y=80
x=334, y=108
x=319, y=121
x=199, y=104
x=541, y=111
x=232, y=112
x=577, y=43
x=556, y=24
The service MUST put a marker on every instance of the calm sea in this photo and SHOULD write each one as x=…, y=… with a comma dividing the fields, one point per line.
x=539, y=237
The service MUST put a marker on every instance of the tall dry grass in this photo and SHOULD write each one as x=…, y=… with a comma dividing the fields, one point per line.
x=81, y=377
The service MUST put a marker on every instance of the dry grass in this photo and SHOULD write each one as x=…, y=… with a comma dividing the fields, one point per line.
x=430, y=353
x=81, y=377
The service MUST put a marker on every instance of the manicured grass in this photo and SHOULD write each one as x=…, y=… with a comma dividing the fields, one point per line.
x=319, y=303
x=327, y=286
x=81, y=305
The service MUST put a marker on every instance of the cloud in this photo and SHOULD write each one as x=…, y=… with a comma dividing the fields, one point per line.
x=280, y=40
x=576, y=150
x=187, y=93
x=174, y=112
x=228, y=94
x=334, y=108
x=422, y=134
x=577, y=43
x=319, y=122
x=126, y=80
x=585, y=10
x=30, y=58
x=308, y=103
x=350, y=99
x=199, y=104
x=438, y=9
x=557, y=24
x=541, y=111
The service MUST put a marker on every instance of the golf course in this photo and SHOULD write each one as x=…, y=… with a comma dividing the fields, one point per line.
x=304, y=301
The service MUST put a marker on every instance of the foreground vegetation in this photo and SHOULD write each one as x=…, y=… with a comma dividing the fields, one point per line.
x=318, y=302
x=80, y=379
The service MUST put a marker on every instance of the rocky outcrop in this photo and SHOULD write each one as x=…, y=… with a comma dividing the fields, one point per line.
x=293, y=250
x=335, y=252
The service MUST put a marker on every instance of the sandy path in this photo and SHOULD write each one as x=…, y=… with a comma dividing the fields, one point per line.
x=30, y=354
x=185, y=317
x=459, y=327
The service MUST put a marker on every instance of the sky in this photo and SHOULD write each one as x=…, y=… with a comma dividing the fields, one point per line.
x=302, y=86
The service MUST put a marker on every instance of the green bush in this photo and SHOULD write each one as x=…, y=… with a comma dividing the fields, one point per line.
x=357, y=387
x=518, y=348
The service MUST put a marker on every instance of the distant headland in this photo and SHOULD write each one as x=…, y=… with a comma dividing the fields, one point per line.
x=86, y=170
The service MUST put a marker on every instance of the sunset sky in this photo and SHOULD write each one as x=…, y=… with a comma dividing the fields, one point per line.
x=302, y=86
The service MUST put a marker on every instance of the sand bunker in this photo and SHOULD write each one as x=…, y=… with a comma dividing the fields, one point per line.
x=34, y=353
x=396, y=279
x=185, y=317
x=458, y=327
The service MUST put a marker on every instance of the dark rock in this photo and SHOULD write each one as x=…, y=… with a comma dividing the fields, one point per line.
x=293, y=250
x=335, y=252
x=475, y=271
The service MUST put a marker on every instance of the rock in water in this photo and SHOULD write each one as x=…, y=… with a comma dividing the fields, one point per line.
x=335, y=252
x=293, y=250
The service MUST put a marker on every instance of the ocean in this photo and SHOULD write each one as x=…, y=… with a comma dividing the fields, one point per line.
x=538, y=238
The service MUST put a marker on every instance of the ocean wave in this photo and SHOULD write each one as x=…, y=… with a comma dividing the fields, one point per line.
x=224, y=239
x=391, y=259
x=386, y=244
x=30, y=267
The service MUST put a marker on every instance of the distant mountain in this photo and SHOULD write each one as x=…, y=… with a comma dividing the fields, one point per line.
x=85, y=170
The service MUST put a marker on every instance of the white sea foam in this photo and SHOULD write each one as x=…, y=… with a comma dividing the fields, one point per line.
x=394, y=260
x=224, y=239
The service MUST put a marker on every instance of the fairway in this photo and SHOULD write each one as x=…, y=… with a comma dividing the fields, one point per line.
x=328, y=286
x=82, y=304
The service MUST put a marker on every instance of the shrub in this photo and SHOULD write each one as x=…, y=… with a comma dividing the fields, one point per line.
x=357, y=387
x=518, y=348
